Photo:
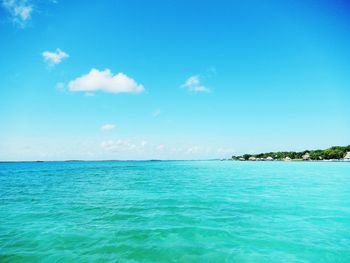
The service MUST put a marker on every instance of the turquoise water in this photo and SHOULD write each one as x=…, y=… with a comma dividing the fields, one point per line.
x=180, y=211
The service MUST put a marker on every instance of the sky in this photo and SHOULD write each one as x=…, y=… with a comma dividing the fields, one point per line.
x=126, y=79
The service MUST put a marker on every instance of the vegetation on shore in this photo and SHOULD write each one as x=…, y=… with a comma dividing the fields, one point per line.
x=333, y=153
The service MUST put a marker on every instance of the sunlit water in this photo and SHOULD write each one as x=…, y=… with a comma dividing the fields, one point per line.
x=203, y=211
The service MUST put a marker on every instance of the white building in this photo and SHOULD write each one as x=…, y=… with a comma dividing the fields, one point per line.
x=306, y=157
x=347, y=156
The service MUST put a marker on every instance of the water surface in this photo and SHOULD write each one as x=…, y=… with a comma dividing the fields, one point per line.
x=176, y=211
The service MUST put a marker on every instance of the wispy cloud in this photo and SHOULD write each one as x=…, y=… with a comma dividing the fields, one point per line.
x=89, y=94
x=193, y=84
x=60, y=85
x=160, y=147
x=124, y=145
x=211, y=71
x=113, y=145
x=20, y=11
x=193, y=150
x=105, y=81
x=54, y=58
x=156, y=113
x=108, y=127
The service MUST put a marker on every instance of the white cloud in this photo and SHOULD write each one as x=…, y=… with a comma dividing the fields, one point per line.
x=193, y=84
x=108, y=127
x=105, y=81
x=20, y=10
x=56, y=57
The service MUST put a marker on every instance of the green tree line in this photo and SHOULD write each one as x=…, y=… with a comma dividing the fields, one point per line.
x=335, y=152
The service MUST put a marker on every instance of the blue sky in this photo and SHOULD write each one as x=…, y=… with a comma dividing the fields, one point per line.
x=172, y=79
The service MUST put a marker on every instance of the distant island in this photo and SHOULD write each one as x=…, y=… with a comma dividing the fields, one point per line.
x=334, y=153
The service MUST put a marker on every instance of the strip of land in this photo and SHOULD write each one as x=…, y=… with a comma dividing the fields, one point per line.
x=335, y=153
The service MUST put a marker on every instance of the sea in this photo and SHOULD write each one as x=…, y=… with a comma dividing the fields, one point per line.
x=175, y=211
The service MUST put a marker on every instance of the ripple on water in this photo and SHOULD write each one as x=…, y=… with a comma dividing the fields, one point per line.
x=174, y=212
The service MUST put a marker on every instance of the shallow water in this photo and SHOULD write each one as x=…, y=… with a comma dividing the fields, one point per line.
x=176, y=211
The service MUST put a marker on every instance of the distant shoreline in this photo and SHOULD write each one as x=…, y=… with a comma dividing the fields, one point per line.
x=196, y=160
x=296, y=161
x=150, y=160
x=332, y=154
